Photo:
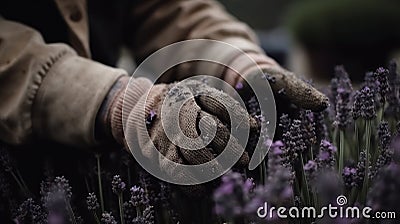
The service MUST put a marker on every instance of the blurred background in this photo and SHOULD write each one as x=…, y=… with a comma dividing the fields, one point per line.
x=310, y=37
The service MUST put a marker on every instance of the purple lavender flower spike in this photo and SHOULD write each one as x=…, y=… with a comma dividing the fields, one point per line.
x=137, y=196
x=148, y=215
x=308, y=127
x=92, y=202
x=366, y=100
x=310, y=168
x=321, y=129
x=58, y=192
x=348, y=175
x=232, y=195
x=343, y=110
x=370, y=81
x=284, y=122
x=108, y=218
x=360, y=175
x=118, y=186
x=384, y=135
x=294, y=142
x=393, y=96
x=326, y=156
x=340, y=85
x=357, y=105
x=385, y=152
x=253, y=106
x=30, y=212
x=342, y=98
x=383, y=87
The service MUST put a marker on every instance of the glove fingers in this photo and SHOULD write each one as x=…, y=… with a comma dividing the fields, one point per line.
x=169, y=159
x=221, y=142
x=297, y=91
x=211, y=101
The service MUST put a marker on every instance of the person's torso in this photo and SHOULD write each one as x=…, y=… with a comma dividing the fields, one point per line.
x=106, y=21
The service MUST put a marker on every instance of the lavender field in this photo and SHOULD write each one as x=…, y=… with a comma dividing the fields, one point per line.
x=352, y=149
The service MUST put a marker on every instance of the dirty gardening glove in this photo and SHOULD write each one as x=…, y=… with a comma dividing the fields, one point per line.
x=202, y=111
x=286, y=86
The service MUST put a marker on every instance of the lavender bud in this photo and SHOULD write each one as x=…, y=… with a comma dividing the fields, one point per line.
x=137, y=196
x=308, y=127
x=118, y=186
x=393, y=96
x=343, y=110
x=383, y=88
x=359, y=177
x=367, y=102
x=58, y=194
x=149, y=187
x=370, y=81
x=384, y=158
x=92, y=202
x=340, y=84
x=30, y=212
x=357, y=105
x=253, y=106
x=348, y=175
x=310, y=168
x=231, y=196
x=108, y=218
x=138, y=220
x=284, y=123
x=148, y=215
x=326, y=156
x=320, y=127
x=384, y=135
x=295, y=143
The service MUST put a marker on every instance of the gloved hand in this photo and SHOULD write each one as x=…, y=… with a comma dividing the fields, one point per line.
x=286, y=86
x=203, y=110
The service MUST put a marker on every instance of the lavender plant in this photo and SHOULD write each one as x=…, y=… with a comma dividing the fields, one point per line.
x=310, y=165
x=352, y=149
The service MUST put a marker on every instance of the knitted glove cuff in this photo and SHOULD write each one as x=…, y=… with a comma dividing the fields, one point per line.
x=125, y=101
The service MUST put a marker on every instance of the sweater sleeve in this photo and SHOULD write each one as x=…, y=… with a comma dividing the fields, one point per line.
x=46, y=90
x=155, y=24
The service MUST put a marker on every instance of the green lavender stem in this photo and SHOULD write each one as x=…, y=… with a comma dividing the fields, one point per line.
x=18, y=182
x=121, y=211
x=138, y=212
x=341, y=151
x=357, y=142
x=96, y=218
x=99, y=182
x=71, y=213
x=367, y=161
x=22, y=181
x=305, y=190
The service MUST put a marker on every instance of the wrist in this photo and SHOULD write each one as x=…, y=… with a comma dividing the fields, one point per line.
x=103, y=118
x=118, y=104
